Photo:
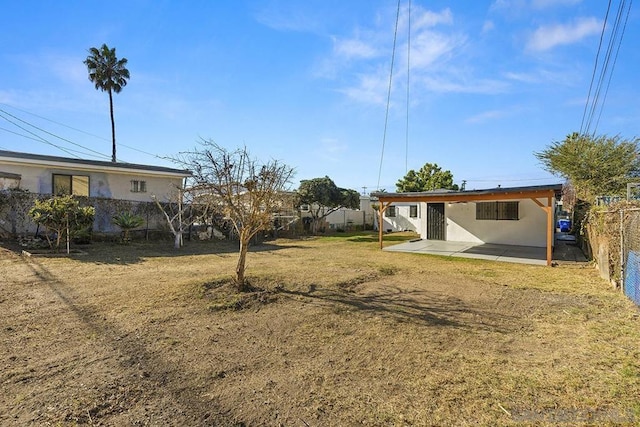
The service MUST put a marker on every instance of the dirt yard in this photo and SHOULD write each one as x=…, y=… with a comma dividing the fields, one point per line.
x=338, y=333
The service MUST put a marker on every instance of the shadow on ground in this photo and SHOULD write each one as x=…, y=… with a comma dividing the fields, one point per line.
x=416, y=306
x=132, y=253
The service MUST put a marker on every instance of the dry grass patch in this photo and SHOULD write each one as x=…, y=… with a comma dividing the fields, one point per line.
x=337, y=332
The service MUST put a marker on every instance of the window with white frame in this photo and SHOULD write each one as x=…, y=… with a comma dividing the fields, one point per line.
x=138, y=186
x=413, y=211
x=390, y=212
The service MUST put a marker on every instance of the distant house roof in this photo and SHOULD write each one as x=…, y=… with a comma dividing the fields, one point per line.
x=472, y=195
x=14, y=157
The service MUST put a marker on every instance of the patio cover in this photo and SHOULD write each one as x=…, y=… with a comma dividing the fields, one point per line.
x=546, y=193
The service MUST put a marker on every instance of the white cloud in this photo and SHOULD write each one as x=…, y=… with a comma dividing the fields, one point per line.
x=561, y=75
x=524, y=8
x=487, y=26
x=450, y=84
x=367, y=54
x=430, y=47
x=354, y=49
x=508, y=5
x=369, y=89
x=68, y=69
x=287, y=18
x=331, y=149
x=421, y=18
x=543, y=4
x=490, y=115
x=549, y=36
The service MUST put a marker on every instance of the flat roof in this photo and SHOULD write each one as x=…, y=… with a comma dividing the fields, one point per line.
x=35, y=158
x=495, y=193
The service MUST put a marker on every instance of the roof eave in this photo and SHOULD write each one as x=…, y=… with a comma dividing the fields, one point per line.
x=8, y=157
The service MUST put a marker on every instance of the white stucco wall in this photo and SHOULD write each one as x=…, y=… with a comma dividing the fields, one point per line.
x=343, y=218
x=402, y=221
x=461, y=225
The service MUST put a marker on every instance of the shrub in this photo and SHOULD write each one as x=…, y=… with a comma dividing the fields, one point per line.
x=127, y=221
x=63, y=216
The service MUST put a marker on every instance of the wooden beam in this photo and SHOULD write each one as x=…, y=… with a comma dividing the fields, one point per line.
x=539, y=203
x=461, y=197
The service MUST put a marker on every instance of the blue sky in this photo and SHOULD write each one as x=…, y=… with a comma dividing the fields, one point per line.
x=306, y=82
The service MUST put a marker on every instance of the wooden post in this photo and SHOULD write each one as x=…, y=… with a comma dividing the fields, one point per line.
x=550, y=225
x=550, y=229
x=383, y=207
x=380, y=225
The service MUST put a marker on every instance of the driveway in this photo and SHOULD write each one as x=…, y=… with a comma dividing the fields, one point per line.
x=565, y=251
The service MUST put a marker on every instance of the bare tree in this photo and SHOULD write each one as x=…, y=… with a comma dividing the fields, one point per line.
x=174, y=212
x=181, y=210
x=247, y=192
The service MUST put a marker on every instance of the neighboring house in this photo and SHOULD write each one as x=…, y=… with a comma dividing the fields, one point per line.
x=98, y=180
x=345, y=218
x=522, y=216
x=91, y=178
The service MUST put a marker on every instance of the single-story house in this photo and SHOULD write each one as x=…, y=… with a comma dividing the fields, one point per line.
x=521, y=216
x=44, y=174
x=98, y=180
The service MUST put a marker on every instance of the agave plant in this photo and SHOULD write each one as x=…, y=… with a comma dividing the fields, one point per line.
x=127, y=222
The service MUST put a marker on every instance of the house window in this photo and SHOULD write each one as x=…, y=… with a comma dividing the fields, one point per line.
x=77, y=185
x=390, y=212
x=497, y=211
x=413, y=211
x=138, y=186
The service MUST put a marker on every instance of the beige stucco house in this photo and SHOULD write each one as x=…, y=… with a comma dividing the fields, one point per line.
x=44, y=174
x=100, y=181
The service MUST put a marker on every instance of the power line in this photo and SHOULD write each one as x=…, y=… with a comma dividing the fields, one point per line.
x=595, y=68
x=615, y=59
x=386, y=116
x=604, y=68
x=607, y=67
x=39, y=138
x=55, y=122
x=96, y=153
x=406, y=136
x=100, y=155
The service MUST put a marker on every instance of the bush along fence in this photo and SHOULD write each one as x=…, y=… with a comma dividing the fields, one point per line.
x=614, y=236
x=15, y=221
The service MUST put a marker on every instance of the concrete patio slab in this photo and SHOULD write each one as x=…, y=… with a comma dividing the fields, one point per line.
x=564, y=251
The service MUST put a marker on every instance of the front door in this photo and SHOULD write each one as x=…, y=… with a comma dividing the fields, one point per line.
x=435, y=221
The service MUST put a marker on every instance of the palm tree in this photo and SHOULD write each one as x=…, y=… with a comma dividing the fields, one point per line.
x=109, y=74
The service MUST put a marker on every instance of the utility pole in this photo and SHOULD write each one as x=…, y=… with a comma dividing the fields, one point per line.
x=364, y=190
